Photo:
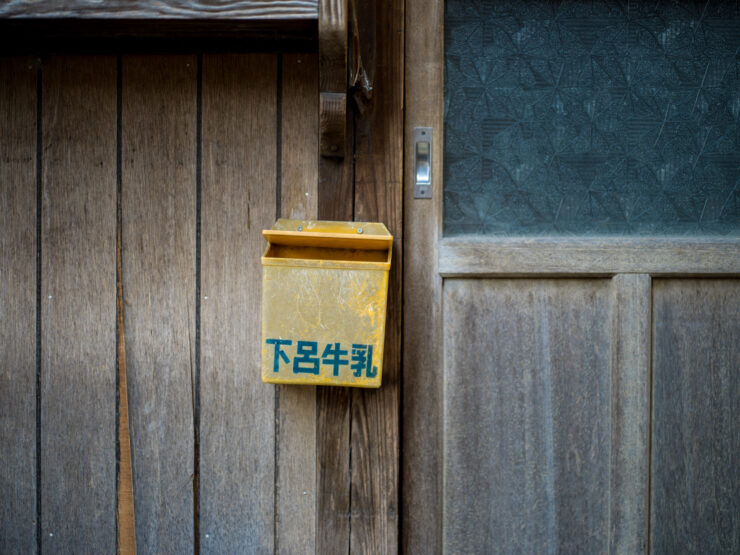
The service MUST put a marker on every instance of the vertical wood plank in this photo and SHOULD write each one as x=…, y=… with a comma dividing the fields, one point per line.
x=299, y=137
x=379, y=197
x=78, y=343
x=336, y=180
x=332, y=469
x=18, y=305
x=158, y=211
x=695, y=469
x=527, y=390
x=335, y=202
x=630, y=413
x=421, y=442
x=295, y=503
x=237, y=410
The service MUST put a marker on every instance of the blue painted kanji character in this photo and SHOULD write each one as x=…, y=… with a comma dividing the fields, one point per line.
x=362, y=359
x=306, y=361
x=279, y=352
x=333, y=357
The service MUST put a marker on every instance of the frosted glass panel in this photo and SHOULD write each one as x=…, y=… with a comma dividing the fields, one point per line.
x=592, y=118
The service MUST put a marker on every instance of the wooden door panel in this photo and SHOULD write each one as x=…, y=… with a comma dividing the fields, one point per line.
x=527, y=415
x=696, y=416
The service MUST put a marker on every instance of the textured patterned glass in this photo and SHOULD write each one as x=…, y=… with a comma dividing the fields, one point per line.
x=592, y=118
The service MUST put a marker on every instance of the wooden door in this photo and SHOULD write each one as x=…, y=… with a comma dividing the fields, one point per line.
x=566, y=392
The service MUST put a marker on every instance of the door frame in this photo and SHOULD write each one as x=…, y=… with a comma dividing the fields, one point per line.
x=421, y=417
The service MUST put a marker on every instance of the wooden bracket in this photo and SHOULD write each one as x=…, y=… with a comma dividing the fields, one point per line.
x=333, y=25
x=360, y=85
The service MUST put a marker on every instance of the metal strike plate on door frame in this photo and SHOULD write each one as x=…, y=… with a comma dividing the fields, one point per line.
x=423, y=162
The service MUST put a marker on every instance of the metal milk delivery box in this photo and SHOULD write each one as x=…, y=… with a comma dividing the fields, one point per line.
x=324, y=293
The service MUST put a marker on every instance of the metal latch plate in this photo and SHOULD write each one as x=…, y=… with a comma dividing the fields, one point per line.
x=423, y=162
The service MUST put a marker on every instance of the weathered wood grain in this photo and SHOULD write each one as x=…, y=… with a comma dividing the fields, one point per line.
x=237, y=433
x=140, y=26
x=379, y=197
x=125, y=518
x=78, y=312
x=472, y=256
x=630, y=413
x=145, y=9
x=332, y=35
x=295, y=503
x=333, y=17
x=299, y=137
x=335, y=202
x=421, y=447
x=159, y=211
x=335, y=194
x=695, y=484
x=18, y=305
x=332, y=472
x=332, y=124
x=526, y=420
x=125, y=515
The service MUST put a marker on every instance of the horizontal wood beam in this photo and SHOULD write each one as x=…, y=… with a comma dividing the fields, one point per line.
x=71, y=25
x=163, y=9
x=464, y=257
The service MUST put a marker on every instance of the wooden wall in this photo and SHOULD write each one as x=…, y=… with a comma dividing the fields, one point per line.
x=197, y=154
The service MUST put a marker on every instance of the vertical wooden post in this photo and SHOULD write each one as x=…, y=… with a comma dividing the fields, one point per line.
x=421, y=464
x=630, y=413
x=333, y=18
x=375, y=435
x=358, y=431
x=335, y=202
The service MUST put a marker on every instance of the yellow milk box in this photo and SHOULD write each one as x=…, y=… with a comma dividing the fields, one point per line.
x=324, y=296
